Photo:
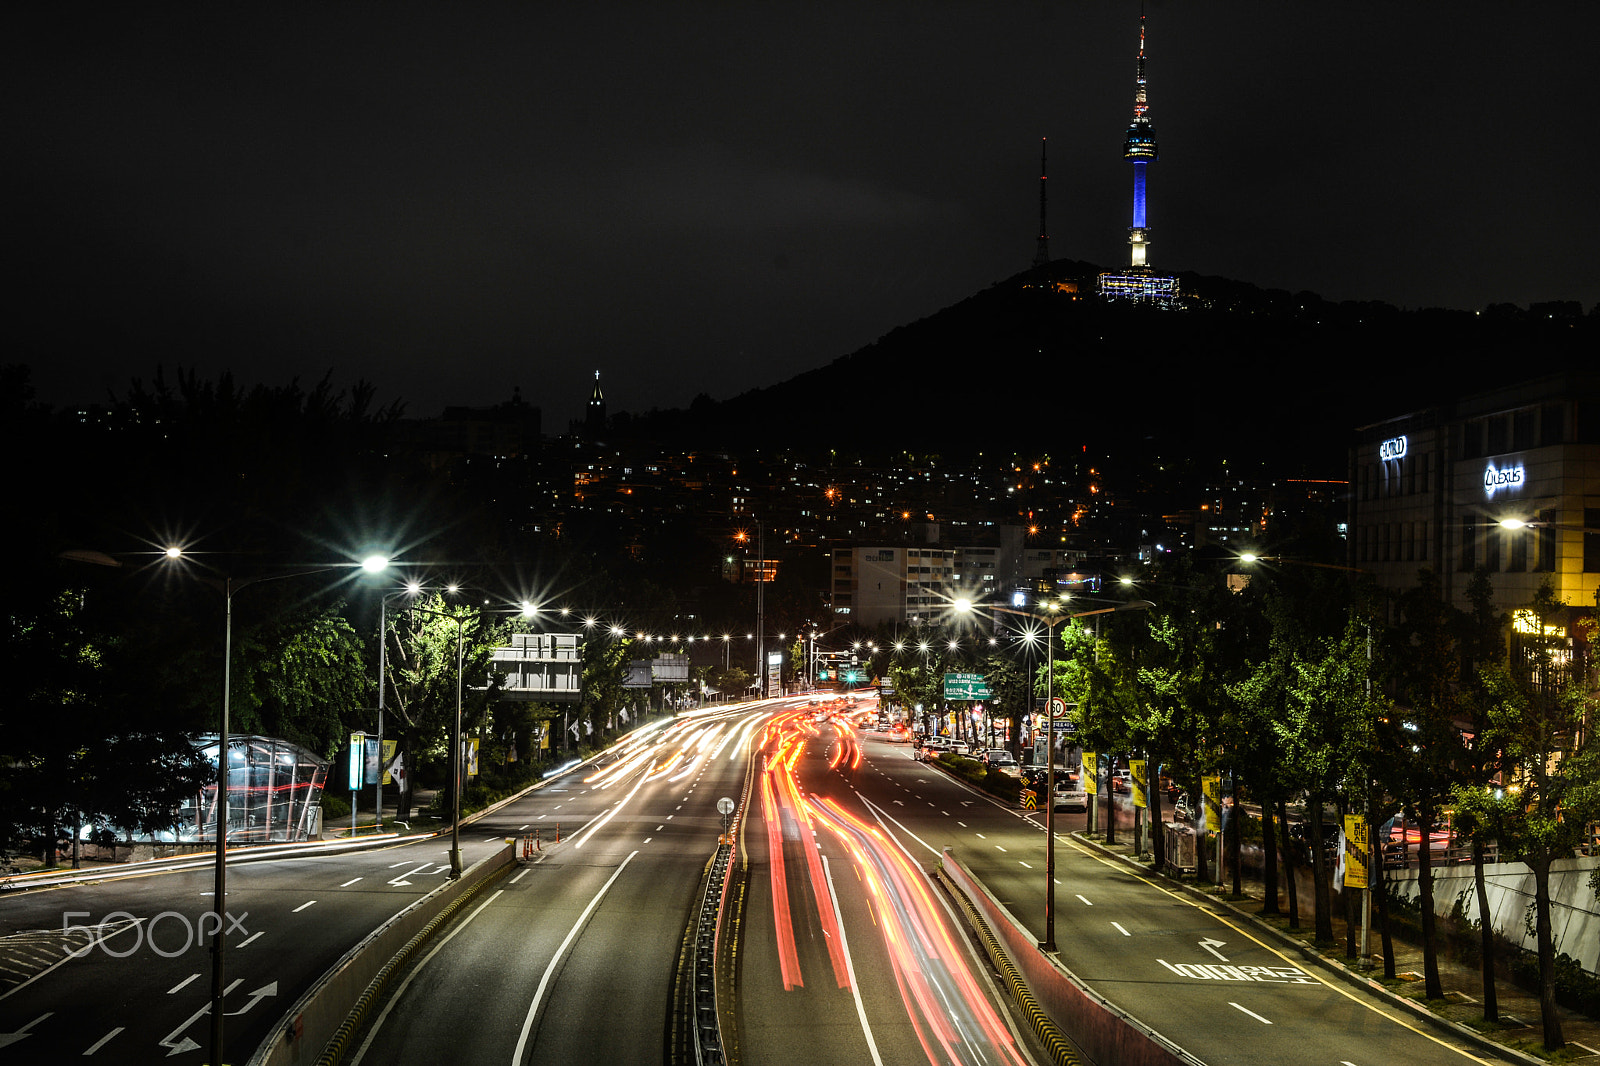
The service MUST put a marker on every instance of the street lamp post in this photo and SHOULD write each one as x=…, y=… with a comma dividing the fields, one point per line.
x=455, y=744
x=1048, y=944
x=383, y=659
x=219, y=942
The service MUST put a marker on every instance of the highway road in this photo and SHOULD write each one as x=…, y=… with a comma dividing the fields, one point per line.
x=115, y=972
x=572, y=958
x=1183, y=967
x=847, y=952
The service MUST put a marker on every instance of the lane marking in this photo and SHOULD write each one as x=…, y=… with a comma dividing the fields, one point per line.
x=1250, y=1012
x=849, y=962
x=1118, y=927
x=177, y=987
x=303, y=906
x=520, y=875
x=1085, y=899
x=103, y=1041
x=246, y=942
x=555, y=960
x=399, y=993
x=350, y=882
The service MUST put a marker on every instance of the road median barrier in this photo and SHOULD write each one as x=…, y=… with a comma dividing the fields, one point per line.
x=321, y=1023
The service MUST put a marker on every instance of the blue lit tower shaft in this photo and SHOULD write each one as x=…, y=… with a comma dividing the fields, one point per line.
x=1140, y=149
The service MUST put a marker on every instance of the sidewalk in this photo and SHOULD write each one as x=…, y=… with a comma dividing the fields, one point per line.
x=1519, y=1037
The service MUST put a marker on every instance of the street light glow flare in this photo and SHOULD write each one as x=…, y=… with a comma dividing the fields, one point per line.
x=375, y=564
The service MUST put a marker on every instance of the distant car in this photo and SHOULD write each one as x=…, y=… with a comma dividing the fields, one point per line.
x=1070, y=795
x=1121, y=781
x=932, y=748
x=1002, y=760
x=959, y=747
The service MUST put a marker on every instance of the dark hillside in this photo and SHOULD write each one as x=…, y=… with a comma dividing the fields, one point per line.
x=1278, y=376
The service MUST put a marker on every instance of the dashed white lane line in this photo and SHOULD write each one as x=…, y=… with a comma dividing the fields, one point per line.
x=1250, y=1012
x=1085, y=899
x=1118, y=927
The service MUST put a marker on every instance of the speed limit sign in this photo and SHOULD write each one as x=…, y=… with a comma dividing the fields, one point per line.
x=1058, y=707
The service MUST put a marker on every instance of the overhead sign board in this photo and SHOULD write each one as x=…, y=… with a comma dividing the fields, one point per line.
x=966, y=687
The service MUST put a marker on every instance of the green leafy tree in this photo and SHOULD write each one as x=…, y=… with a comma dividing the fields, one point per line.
x=423, y=678
x=304, y=678
x=83, y=747
x=1426, y=749
x=1539, y=715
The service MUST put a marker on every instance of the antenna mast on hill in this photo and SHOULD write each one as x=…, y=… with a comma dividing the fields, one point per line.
x=1042, y=255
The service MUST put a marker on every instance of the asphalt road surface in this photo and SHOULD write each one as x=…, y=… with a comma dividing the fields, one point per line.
x=1168, y=959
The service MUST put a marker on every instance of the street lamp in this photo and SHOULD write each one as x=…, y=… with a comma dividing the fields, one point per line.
x=1048, y=944
x=372, y=564
x=383, y=657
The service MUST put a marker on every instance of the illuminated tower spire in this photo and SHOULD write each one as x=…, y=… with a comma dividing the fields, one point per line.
x=1042, y=256
x=595, y=421
x=1140, y=148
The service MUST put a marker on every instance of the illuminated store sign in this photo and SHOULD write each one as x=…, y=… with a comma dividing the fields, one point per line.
x=1507, y=477
x=1393, y=448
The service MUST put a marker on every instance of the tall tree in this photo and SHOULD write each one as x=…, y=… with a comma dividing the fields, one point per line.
x=1428, y=744
x=1538, y=714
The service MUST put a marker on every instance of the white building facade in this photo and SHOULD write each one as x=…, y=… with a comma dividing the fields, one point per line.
x=1435, y=489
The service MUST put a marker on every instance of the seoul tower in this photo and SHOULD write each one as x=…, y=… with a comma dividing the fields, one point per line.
x=1140, y=148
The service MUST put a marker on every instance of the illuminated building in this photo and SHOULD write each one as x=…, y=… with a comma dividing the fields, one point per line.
x=1140, y=284
x=1432, y=489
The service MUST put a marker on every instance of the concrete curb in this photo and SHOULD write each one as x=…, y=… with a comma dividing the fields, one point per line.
x=1333, y=966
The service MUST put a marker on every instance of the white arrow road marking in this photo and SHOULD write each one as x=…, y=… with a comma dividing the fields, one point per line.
x=1212, y=946
x=176, y=1046
x=400, y=879
x=21, y=1034
x=256, y=997
x=1252, y=1013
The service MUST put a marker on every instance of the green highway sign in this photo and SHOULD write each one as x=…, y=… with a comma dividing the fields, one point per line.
x=966, y=687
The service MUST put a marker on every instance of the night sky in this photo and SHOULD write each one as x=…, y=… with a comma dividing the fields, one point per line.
x=450, y=200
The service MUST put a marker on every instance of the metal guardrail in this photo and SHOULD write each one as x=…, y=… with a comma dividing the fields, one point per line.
x=708, y=1046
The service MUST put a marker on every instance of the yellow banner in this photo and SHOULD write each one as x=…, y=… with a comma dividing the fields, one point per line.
x=389, y=748
x=1089, y=773
x=1140, y=783
x=1355, y=851
x=1211, y=790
